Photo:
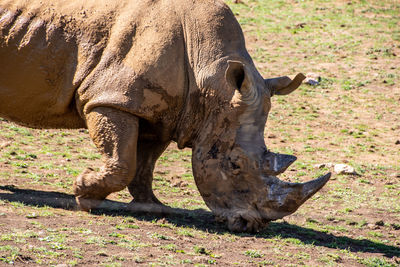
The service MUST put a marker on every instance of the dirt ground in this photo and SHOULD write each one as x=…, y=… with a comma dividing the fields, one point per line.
x=351, y=117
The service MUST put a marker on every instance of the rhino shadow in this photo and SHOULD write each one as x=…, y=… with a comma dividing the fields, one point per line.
x=199, y=219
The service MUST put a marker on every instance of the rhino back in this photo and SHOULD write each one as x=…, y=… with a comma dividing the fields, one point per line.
x=41, y=62
x=58, y=58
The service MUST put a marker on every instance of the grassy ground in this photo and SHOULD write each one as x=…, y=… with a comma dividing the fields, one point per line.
x=351, y=117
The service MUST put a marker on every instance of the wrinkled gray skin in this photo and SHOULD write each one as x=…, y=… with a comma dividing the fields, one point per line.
x=138, y=75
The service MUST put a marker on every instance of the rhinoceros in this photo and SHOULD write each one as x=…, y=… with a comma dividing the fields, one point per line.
x=140, y=74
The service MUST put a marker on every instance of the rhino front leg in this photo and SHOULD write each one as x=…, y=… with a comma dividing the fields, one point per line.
x=115, y=134
x=141, y=186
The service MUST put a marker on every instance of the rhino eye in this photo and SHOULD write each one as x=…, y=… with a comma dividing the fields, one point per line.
x=234, y=166
x=213, y=151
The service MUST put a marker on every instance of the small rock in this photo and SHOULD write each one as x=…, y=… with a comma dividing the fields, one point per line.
x=179, y=183
x=4, y=144
x=162, y=221
x=324, y=165
x=200, y=259
x=32, y=215
x=102, y=253
x=343, y=169
x=372, y=226
x=312, y=79
x=301, y=25
x=395, y=226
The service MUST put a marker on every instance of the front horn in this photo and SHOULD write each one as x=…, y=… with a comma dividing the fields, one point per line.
x=284, y=198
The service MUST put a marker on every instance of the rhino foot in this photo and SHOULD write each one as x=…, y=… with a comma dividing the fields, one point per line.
x=115, y=134
x=88, y=191
x=87, y=204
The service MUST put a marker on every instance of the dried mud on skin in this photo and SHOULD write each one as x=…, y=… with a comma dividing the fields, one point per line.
x=351, y=118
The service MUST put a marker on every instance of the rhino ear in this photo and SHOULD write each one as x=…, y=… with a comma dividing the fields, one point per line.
x=236, y=77
x=284, y=85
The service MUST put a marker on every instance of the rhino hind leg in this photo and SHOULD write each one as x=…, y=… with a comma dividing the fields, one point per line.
x=141, y=186
x=115, y=135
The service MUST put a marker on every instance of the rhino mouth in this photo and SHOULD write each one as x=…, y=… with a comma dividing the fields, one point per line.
x=246, y=222
x=244, y=191
x=281, y=199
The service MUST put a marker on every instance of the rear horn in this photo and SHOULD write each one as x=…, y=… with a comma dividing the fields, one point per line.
x=284, y=85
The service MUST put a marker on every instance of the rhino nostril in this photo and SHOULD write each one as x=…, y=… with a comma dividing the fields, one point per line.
x=213, y=151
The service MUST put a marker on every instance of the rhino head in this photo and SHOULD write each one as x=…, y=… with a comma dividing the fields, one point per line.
x=233, y=169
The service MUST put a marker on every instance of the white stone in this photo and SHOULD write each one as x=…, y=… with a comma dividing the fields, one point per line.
x=312, y=79
x=343, y=169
